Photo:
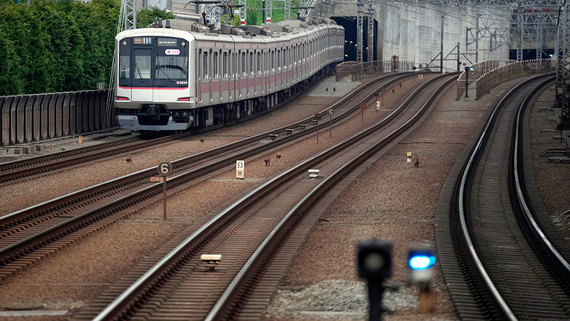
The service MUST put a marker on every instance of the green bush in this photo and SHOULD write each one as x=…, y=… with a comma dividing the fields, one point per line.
x=53, y=46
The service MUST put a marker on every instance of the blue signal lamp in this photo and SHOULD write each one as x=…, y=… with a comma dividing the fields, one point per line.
x=421, y=262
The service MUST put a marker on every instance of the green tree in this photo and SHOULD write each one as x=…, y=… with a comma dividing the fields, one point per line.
x=10, y=81
x=147, y=16
x=252, y=17
x=66, y=46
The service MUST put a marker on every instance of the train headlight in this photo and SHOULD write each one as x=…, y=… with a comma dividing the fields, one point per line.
x=185, y=113
x=176, y=114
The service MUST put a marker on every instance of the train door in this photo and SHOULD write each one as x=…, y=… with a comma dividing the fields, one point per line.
x=142, y=75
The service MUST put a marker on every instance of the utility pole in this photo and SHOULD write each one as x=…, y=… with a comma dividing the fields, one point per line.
x=242, y=11
x=371, y=12
x=441, y=46
x=563, y=64
x=128, y=14
x=359, y=31
x=287, y=12
x=477, y=38
x=268, y=9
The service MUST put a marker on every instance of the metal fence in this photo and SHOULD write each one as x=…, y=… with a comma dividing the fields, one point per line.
x=484, y=77
x=30, y=118
x=355, y=71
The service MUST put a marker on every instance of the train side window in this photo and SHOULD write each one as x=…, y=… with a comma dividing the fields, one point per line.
x=258, y=69
x=225, y=64
x=234, y=64
x=242, y=65
x=251, y=63
x=124, y=67
x=215, y=72
x=205, y=65
x=199, y=66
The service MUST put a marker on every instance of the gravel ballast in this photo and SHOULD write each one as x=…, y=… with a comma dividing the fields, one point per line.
x=392, y=200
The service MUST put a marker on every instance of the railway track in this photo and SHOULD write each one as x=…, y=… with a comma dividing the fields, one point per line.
x=41, y=165
x=253, y=236
x=47, y=164
x=35, y=232
x=506, y=260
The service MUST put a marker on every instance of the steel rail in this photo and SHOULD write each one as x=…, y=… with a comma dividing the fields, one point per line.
x=474, y=157
x=21, y=215
x=47, y=163
x=309, y=200
x=516, y=158
x=31, y=243
x=152, y=276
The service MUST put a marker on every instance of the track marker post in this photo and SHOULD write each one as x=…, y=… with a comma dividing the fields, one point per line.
x=164, y=169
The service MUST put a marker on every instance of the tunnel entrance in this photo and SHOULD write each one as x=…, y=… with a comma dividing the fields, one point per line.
x=350, y=37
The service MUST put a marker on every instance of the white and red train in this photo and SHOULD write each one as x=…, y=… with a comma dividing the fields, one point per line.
x=183, y=75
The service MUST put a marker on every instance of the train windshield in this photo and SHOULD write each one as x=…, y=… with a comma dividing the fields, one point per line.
x=153, y=62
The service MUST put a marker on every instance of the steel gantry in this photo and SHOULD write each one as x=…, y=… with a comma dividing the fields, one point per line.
x=365, y=8
x=242, y=11
x=128, y=15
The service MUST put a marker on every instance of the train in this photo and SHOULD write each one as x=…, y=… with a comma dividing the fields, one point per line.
x=178, y=74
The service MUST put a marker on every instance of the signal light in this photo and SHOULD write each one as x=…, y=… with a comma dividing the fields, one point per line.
x=421, y=262
x=375, y=259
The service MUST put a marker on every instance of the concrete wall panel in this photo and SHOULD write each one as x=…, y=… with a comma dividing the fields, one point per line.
x=6, y=107
x=37, y=117
x=59, y=115
x=73, y=113
x=51, y=117
x=65, y=114
x=29, y=126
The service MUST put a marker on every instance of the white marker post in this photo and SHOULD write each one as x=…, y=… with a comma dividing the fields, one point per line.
x=164, y=169
x=240, y=169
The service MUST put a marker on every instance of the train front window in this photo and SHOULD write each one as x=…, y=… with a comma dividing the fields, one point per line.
x=171, y=68
x=142, y=63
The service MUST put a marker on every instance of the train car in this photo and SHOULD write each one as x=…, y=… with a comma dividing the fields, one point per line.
x=184, y=75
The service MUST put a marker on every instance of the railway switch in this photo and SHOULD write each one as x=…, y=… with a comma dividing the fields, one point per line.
x=211, y=260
